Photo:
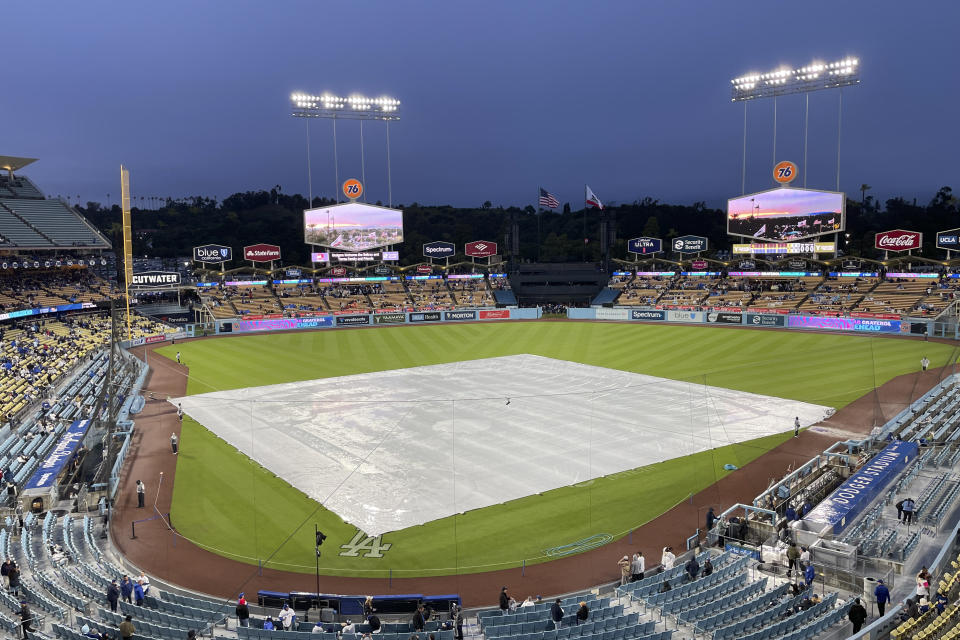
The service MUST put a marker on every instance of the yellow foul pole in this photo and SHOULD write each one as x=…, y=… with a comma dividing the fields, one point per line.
x=127, y=243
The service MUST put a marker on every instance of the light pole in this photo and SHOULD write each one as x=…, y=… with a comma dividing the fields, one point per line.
x=354, y=107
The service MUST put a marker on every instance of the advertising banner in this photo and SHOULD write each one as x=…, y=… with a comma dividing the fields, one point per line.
x=949, y=239
x=480, y=249
x=612, y=314
x=356, y=256
x=319, y=256
x=280, y=324
x=156, y=279
x=685, y=316
x=155, y=339
x=390, y=318
x=762, y=320
x=353, y=320
x=261, y=252
x=390, y=255
x=439, y=249
x=898, y=240
x=212, y=253
x=495, y=314
x=424, y=269
x=459, y=315
x=641, y=314
x=689, y=244
x=338, y=272
x=56, y=460
x=785, y=248
x=699, y=265
x=425, y=316
x=847, y=501
x=725, y=317
x=875, y=325
x=645, y=245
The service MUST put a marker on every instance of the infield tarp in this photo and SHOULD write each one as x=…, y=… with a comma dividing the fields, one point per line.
x=847, y=501
x=394, y=449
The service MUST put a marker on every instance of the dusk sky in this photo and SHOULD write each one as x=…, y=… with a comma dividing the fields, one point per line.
x=632, y=97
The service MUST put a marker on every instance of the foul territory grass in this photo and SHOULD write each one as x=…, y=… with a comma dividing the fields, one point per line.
x=233, y=506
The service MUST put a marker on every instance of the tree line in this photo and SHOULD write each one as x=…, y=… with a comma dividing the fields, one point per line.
x=273, y=217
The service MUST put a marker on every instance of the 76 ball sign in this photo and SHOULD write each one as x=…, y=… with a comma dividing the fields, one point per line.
x=785, y=172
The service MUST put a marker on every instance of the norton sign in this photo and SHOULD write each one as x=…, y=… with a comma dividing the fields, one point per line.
x=261, y=252
x=156, y=279
x=211, y=253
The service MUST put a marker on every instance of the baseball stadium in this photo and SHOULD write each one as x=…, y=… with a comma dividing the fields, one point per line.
x=361, y=419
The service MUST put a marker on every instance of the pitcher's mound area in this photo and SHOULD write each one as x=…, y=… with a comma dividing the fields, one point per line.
x=394, y=449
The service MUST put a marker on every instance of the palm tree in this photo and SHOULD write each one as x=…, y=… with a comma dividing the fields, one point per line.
x=863, y=194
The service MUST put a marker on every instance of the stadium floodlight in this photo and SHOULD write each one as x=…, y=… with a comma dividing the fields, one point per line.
x=354, y=107
x=784, y=81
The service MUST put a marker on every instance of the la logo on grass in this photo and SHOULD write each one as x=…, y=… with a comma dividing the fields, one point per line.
x=373, y=545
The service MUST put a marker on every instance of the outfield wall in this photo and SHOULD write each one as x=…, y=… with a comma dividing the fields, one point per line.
x=750, y=319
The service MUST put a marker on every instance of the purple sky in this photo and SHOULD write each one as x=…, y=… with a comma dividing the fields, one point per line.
x=498, y=97
x=788, y=201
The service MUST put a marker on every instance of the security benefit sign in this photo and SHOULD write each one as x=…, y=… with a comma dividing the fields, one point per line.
x=156, y=279
x=689, y=244
x=645, y=245
x=846, y=502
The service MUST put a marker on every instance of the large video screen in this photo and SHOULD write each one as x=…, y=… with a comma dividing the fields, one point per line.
x=353, y=226
x=785, y=215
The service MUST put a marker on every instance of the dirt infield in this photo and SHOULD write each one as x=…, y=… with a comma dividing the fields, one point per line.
x=161, y=553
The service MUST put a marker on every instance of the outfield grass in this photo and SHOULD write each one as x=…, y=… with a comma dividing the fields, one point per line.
x=228, y=503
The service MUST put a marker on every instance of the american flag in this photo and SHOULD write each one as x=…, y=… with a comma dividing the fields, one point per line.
x=548, y=200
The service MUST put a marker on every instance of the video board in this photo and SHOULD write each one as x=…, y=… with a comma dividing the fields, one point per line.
x=786, y=215
x=353, y=226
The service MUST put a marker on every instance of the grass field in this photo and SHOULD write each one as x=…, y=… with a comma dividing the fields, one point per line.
x=226, y=502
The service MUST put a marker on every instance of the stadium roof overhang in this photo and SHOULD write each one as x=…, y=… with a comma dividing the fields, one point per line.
x=13, y=163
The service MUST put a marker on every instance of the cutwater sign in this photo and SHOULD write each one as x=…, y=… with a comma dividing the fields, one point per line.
x=645, y=245
x=212, y=253
x=850, y=498
x=689, y=244
x=47, y=472
x=156, y=279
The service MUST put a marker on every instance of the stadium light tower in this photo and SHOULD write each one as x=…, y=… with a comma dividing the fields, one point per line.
x=354, y=107
x=786, y=81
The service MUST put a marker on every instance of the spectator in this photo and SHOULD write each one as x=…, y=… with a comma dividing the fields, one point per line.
x=527, y=603
x=346, y=628
x=857, y=615
x=458, y=622
x=144, y=582
x=793, y=557
x=804, y=556
x=707, y=568
x=138, y=593
x=809, y=574
x=882, y=594
x=126, y=628
x=692, y=568
x=637, y=567
x=243, y=612
x=624, y=564
x=126, y=589
x=286, y=617
x=665, y=586
x=113, y=595
x=368, y=607
x=556, y=614
x=942, y=602
x=504, y=601
x=899, y=507
x=13, y=578
x=583, y=613
x=374, y=621
x=667, y=559
x=26, y=619
x=418, y=622
x=317, y=628
x=908, y=508
x=711, y=519
x=268, y=624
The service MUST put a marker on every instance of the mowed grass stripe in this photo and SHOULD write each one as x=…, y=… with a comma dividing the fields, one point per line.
x=224, y=500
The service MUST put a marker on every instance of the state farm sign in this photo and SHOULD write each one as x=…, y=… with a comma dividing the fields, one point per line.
x=261, y=252
x=898, y=240
x=480, y=249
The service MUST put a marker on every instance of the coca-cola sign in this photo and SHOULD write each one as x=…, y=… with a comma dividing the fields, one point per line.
x=898, y=240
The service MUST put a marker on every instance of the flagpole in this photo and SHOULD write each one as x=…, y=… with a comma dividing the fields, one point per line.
x=538, y=223
x=584, y=249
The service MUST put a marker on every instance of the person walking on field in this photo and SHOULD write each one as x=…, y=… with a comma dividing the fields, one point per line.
x=796, y=427
x=178, y=357
x=173, y=443
x=924, y=363
x=141, y=490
